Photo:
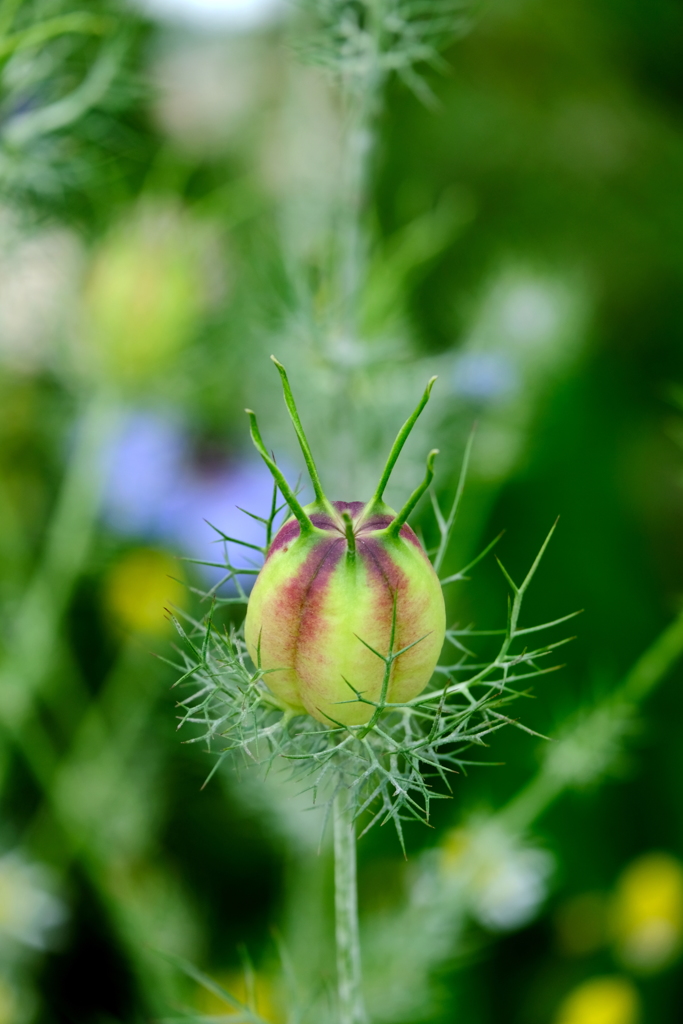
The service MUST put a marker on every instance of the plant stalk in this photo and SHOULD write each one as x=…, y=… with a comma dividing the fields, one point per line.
x=30, y=653
x=649, y=670
x=349, y=972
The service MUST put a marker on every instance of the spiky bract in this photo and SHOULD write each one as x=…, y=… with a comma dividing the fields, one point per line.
x=390, y=761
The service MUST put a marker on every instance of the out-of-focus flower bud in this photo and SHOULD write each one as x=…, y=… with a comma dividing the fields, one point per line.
x=347, y=612
x=647, y=912
x=601, y=1001
x=142, y=296
x=138, y=589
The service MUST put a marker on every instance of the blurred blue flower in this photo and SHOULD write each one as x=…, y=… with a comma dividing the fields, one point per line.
x=159, y=489
x=484, y=376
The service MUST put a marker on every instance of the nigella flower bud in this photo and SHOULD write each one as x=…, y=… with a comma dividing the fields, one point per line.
x=347, y=613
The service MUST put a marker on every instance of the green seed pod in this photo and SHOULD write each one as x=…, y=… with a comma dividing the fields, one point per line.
x=143, y=296
x=347, y=613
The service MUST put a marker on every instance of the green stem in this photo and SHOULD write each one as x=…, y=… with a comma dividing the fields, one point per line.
x=654, y=663
x=349, y=974
x=649, y=670
x=531, y=801
x=33, y=651
x=359, y=136
x=30, y=654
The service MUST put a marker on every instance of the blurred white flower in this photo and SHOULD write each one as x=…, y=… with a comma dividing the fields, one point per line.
x=39, y=278
x=502, y=880
x=231, y=15
x=29, y=910
x=531, y=311
x=209, y=89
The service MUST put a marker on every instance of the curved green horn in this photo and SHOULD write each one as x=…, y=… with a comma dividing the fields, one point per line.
x=401, y=439
x=303, y=440
x=286, y=491
x=396, y=524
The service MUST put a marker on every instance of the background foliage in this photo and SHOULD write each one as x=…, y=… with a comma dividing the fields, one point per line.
x=179, y=199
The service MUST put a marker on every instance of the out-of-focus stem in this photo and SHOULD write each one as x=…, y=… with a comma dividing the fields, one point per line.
x=362, y=90
x=34, y=646
x=649, y=670
x=349, y=973
x=359, y=137
x=531, y=801
x=654, y=663
x=30, y=652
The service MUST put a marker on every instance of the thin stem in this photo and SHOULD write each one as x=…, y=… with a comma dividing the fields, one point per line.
x=650, y=669
x=33, y=651
x=303, y=440
x=388, y=665
x=362, y=100
x=654, y=663
x=401, y=439
x=349, y=974
x=353, y=255
x=531, y=801
x=29, y=655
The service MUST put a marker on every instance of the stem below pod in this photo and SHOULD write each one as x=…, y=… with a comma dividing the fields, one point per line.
x=349, y=974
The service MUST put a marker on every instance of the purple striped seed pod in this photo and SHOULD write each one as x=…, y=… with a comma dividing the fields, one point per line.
x=347, y=614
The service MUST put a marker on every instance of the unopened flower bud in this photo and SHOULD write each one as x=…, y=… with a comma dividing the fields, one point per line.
x=347, y=613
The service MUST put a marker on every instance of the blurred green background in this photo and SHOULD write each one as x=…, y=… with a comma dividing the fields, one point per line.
x=172, y=201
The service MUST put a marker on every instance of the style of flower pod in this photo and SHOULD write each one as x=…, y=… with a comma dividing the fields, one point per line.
x=347, y=614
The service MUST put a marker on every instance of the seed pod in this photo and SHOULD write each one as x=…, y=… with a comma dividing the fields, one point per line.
x=347, y=613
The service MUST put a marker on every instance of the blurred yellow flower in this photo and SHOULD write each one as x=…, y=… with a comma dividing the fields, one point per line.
x=601, y=1001
x=139, y=587
x=647, y=912
x=258, y=994
x=143, y=295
